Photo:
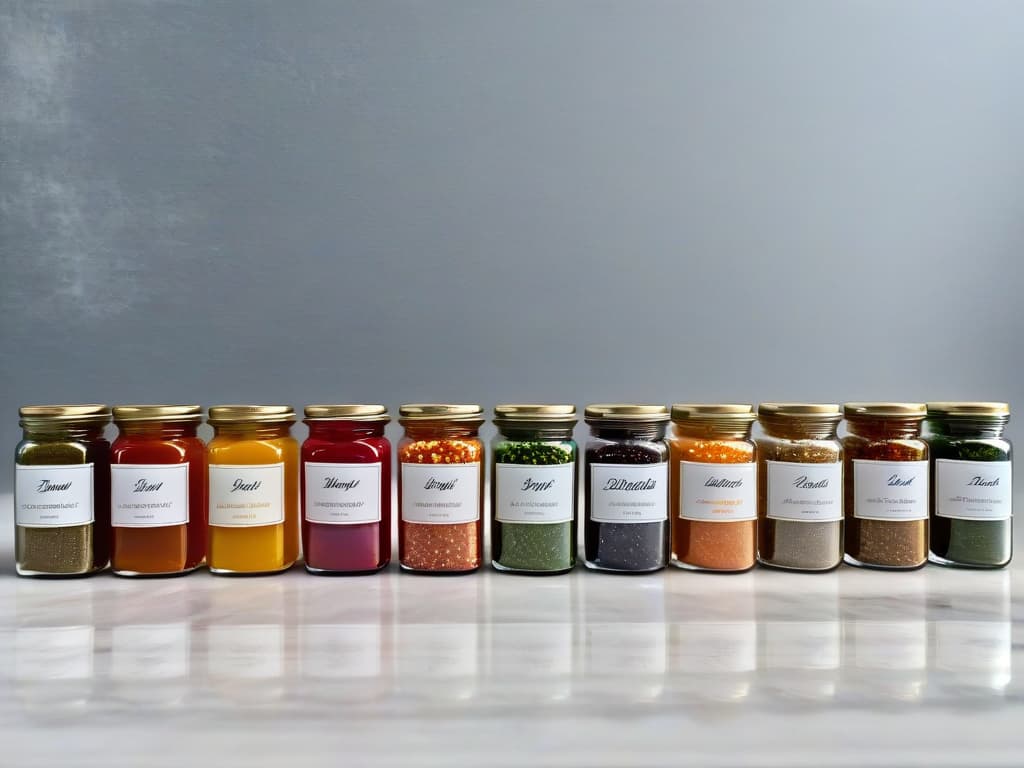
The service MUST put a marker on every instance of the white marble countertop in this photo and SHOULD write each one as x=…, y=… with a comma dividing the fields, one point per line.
x=765, y=668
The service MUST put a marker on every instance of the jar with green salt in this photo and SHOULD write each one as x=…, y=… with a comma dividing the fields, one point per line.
x=533, y=489
x=62, y=491
x=971, y=493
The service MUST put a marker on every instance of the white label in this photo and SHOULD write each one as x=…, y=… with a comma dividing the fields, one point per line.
x=629, y=494
x=246, y=494
x=55, y=495
x=534, y=494
x=810, y=492
x=148, y=495
x=342, y=494
x=890, y=490
x=973, y=490
x=440, y=493
x=717, y=492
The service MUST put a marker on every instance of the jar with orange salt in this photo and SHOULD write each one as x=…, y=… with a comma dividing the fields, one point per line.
x=713, y=487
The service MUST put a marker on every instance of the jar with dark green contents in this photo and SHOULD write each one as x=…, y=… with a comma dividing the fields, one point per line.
x=533, y=489
x=62, y=491
x=971, y=492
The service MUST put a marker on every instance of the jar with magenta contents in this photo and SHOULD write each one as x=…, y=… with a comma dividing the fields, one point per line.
x=800, y=486
x=713, y=495
x=158, y=490
x=440, y=488
x=62, y=491
x=626, y=488
x=533, y=489
x=885, y=481
x=971, y=491
x=253, y=489
x=346, y=489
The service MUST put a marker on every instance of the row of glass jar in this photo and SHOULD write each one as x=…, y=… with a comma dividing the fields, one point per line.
x=161, y=502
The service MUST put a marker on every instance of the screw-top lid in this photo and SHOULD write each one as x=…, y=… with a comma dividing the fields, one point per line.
x=346, y=412
x=440, y=412
x=625, y=412
x=49, y=414
x=969, y=410
x=530, y=412
x=821, y=412
x=157, y=413
x=725, y=412
x=884, y=410
x=246, y=414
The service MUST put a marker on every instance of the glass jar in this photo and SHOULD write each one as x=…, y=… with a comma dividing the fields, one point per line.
x=158, y=490
x=254, y=489
x=626, y=488
x=62, y=491
x=800, y=487
x=971, y=492
x=440, y=488
x=533, y=489
x=712, y=487
x=346, y=489
x=885, y=479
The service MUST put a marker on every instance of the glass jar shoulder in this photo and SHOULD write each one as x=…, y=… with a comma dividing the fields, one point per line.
x=440, y=450
x=506, y=450
x=970, y=448
x=232, y=449
x=138, y=450
x=366, y=450
x=600, y=450
x=884, y=449
x=711, y=450
x=799, y=450
x=59, y=451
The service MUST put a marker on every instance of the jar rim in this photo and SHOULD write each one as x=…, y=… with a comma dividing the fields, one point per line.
x=250, y=414
x=625, y=413
x=133, y=413
x=346, y=412
x=893, y=410
x=440, y=412
x=968, y=410
x=91, y=413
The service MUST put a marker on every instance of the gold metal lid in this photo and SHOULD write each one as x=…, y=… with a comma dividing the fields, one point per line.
x=158, y=413
x=243, y=414
x=884, y=410
x=969, y=409
x=520, y=412
x=347, y=412
x=731, y=412
x=625, y=412
x=801, y=411
x=49, y=414
x=440, y=412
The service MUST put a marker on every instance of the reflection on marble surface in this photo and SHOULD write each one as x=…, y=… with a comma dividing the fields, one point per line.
x=596, y=669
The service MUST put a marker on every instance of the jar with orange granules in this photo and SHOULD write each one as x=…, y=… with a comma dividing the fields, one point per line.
x=713, y=487
x=440, y=488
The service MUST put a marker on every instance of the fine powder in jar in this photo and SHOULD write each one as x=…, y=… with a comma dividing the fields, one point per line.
x=718, y=546
x=536, y=547
x=886, y=543
x=812, y=546
x=441, y=546
x=625, y=546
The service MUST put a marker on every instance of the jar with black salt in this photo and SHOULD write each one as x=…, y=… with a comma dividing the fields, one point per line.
x=800, y=486
x=885, y=481
x=626, y=488
x=62, y=491
x=533, y=489
x=971, y=498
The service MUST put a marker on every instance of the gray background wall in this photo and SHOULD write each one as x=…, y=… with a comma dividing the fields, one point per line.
x=493, y=201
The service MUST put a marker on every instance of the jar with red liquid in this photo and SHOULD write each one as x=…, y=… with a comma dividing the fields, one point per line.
x=158, y=490
x=440, y=488
x=346, y=489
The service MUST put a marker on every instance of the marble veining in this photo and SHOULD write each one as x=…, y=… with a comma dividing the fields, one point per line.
x=765, y=668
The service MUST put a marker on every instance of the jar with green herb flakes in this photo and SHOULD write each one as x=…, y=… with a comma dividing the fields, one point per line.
x=971, y=492
x=62, y=491
x=533, y=489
